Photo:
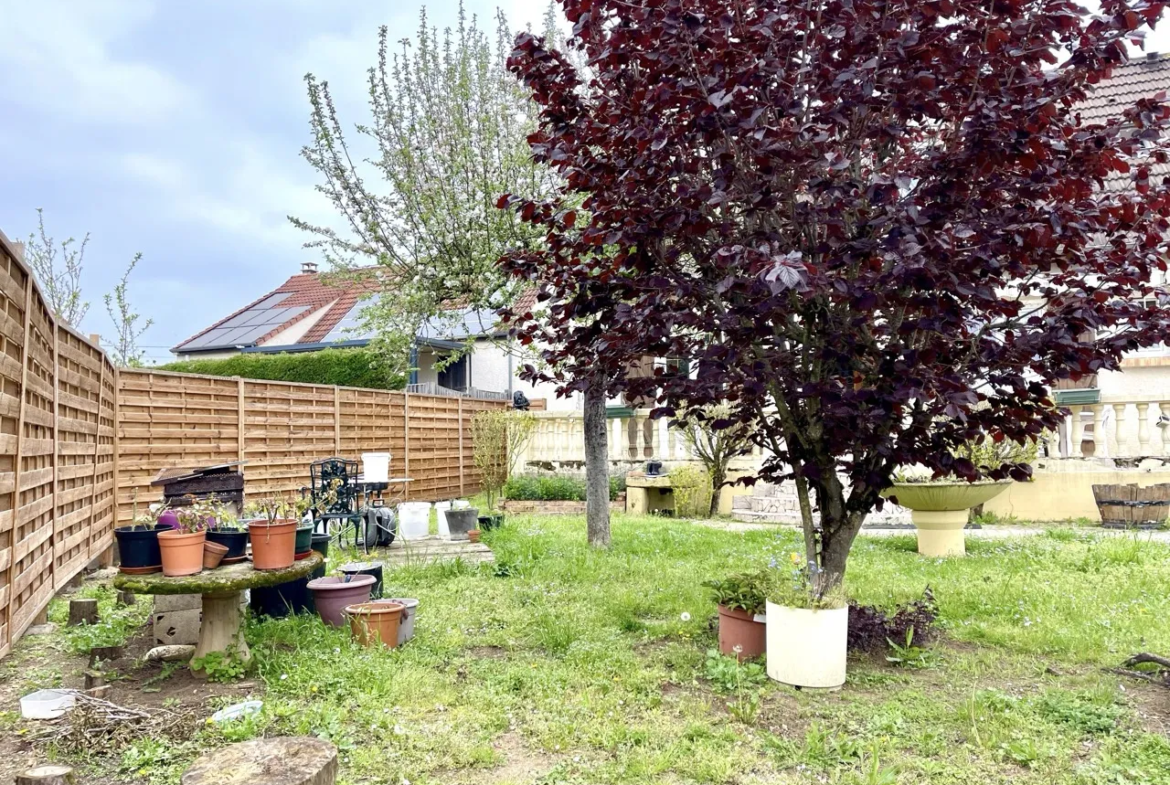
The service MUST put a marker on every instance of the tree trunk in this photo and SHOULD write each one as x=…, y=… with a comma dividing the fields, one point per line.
x=838, y=530
x=83, y=611
x=47, y=775
x=272, y=761
x=718, y=478
x=596, y=467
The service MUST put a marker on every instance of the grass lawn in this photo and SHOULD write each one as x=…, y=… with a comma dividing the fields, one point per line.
x=560, y=664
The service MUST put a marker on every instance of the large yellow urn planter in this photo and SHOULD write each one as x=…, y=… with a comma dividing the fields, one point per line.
x=939, y=511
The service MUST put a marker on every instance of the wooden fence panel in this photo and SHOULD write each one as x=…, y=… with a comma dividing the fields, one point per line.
x=81, y=440
x=286, y=427
x=170, y=420
x=167, y=420
x=15, y=289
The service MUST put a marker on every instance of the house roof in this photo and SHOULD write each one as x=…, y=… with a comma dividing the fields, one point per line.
x=1139, y=78
x=301, y=296
x=293, y=301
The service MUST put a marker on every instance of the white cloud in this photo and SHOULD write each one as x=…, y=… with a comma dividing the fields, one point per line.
x=58, y=56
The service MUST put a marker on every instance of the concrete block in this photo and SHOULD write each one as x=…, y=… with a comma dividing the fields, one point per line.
x=177, y=602
x=177, y=627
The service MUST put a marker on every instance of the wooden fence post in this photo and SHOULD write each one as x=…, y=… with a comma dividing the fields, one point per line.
x=56, y=442
x=406, y=441
x=336, y=420
x=460, y=399
x=14, y=538
x=117, y=427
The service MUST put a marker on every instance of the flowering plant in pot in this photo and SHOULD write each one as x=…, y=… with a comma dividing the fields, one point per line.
x=807, y=624
x=274, y=536
x=741, y=599
x=182, y=548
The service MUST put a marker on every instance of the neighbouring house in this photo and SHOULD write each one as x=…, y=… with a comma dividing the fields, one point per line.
x=311, y=311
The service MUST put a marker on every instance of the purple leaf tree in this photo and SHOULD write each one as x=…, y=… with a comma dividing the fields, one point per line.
x=879, y=229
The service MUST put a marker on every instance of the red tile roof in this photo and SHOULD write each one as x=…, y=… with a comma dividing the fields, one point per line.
x=312, y=292
x=1142, y=77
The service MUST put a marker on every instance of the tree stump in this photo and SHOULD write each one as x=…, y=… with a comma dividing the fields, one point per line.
x=289, y=760
x=125, y=598
x=83, y=612
x=104, y=654
x=47, y=775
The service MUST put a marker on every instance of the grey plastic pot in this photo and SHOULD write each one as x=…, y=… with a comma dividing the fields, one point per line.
x=460, y=522
x=406, y=622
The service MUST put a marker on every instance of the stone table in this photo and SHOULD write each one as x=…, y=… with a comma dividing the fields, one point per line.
x=222, y=626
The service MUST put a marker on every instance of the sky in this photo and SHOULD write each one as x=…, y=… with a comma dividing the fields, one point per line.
x=174, y=129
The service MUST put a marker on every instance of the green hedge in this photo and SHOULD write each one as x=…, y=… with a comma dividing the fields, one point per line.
x=554, y=488
x=345, y=367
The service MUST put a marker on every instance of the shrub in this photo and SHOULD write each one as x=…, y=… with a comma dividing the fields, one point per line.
x=872, y=630
x=555, y=488
x=344, y=367
x=498, y=437
x=692, y=492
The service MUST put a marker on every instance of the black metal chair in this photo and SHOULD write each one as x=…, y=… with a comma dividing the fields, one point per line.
x=333, y=492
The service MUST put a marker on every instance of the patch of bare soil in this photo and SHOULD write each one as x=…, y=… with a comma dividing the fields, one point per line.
x=521, y=765
x=176, y=698
x=1151, y=704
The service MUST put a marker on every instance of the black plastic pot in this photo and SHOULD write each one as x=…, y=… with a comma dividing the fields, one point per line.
x=321, y=544
x=365, y=568
x=493, y=521
x=304, y=538
x=138, y=547
x=460, y=522
x=235, y=540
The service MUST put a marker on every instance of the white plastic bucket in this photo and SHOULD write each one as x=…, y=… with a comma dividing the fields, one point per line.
x=807, y=648
x=414, y=520
x=376, y=466
x=460, y=504
x=441, y=514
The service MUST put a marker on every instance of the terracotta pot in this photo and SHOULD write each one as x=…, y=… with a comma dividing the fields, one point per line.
x=406, y=621
x=375, y=623
x=473, y=535
x=213, y=554
x=741, y=629
x=273, y=544
x=182, y=553
x=332, y=595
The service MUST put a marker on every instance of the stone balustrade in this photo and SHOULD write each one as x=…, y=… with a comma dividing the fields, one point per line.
x=1128, y=429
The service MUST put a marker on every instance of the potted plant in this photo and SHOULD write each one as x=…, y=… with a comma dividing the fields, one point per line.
x=225, y=529
x=138, y=547
x=807, y=627
x=274, y=536
x=375, y=623
x=182, y=548
x=940, y=506
x=741, y=599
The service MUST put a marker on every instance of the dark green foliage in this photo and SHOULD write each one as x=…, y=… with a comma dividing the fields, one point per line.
x=344, y=367
x=743, y=592
x=555, y=488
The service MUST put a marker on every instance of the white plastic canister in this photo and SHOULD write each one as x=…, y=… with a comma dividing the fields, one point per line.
x=376, y=466
x=414, y=520
x=441, y=514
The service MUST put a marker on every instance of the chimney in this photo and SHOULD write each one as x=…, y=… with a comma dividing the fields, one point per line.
x=18, y=246
x=1153, y=57
x=308, y=268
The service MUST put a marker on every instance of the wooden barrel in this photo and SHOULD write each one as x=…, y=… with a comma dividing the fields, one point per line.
x=1131, y=507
